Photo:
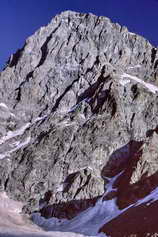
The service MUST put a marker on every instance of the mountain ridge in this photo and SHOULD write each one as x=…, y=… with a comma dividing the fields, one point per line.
x=78, y=106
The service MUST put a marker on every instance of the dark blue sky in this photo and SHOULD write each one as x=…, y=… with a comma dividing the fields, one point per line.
x=20, y=18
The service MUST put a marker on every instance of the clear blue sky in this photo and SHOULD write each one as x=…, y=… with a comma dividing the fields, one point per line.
x=20, y=18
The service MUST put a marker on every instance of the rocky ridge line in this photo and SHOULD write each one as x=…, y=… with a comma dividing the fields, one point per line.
x=79, y=100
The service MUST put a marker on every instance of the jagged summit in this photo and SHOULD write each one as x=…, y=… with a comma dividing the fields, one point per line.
x=78, y=107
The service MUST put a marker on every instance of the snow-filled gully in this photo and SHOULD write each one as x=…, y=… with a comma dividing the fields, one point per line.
x=87, y=223
x=91, y=220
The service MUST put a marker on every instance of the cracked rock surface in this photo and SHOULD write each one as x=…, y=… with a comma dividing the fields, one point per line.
x=71, y=114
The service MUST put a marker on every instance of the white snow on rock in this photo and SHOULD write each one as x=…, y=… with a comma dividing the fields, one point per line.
x=150, y=86
x=130, y=33
x=40, y=118
x=17, y=147
x=87, y=222
x=123, y=82
x=109, y=186
x=12, y=134
x=4, y=109
x=135, y=66
x=4, y=106
x=153, y=196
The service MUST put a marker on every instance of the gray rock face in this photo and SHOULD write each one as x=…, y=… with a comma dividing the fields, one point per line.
x=78, y=102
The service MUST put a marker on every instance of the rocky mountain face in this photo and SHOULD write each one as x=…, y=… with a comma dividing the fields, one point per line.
x=78, y=106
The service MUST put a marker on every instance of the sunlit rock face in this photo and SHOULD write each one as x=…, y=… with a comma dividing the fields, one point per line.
x=79, y=106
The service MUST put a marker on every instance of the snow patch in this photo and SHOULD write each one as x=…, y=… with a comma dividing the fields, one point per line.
x=12, y=134
x=14, y=144
x=123, y=82
x=40, y=118
x=18, y=146
x=151, y=87
x=135, y=66
x=130, y=33
x=5, y=110
x=153, y=196
x=13, y=115
x=88, y=222
x=109, y=185
x=4, y=106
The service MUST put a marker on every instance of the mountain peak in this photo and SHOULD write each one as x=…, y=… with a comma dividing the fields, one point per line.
x=79, y=118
